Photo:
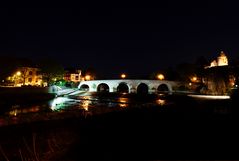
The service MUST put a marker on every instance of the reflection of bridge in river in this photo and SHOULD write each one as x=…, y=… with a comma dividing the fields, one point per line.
x=128, y=86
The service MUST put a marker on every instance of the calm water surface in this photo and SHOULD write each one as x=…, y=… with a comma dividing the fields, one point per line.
x=80, y=105
x=87, y=104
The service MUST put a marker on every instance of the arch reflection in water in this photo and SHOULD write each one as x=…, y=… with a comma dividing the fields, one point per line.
x=160, y=102
x=123, y=102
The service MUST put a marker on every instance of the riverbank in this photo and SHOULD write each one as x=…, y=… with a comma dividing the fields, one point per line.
x=19, y=95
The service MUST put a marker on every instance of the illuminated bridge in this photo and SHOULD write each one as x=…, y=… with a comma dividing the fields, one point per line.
x=128, y=86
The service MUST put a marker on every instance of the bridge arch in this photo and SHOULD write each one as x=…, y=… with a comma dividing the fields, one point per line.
x=142, y=88
x=123, y=88
x=103, y=87
x=163, y=89
x=85, y=87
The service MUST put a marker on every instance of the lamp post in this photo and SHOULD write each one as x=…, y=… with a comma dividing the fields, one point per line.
x=160, y=76
x=123, y=76
x=18, y=73
x=87, y=77
x=194, y=79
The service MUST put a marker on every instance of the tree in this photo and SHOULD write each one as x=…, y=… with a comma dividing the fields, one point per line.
x=10, y=65
x=186, y=71
x=171, y=74
x=7, y=67
x=51, y=70
x=90, y=72
x=23, y=74
x=201, y=63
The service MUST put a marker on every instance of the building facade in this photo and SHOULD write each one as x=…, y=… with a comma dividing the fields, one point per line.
x=73, y=75
x=29, y=76
x=220, y=61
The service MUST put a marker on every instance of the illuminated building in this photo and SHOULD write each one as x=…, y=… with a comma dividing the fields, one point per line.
x=213, y=63
x=87, y=77
x=221, y=61
x=27, y=76
x=73, y=75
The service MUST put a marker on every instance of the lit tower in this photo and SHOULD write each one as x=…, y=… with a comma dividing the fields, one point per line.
x=222, y=59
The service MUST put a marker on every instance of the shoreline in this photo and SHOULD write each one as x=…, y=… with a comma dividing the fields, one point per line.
x=19, y=95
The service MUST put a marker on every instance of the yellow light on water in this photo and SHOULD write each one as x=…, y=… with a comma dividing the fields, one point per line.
x=85, y=104
x=123, y=102
x=160, y=102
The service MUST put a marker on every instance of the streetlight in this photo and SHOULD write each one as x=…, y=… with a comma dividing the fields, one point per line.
x=18, y=73
x=87, y=77
x=194, y=79
x=160, y=76
x=123, y=76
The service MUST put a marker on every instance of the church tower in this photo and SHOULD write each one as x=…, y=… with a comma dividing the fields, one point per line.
x=222, y=59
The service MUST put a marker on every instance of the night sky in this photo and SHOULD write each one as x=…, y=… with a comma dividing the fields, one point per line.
x=137, y=41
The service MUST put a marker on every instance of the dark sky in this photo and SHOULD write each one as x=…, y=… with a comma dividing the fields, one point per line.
x=114, y=40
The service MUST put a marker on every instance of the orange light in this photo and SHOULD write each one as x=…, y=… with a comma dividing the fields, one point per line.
x=18, y=73
x=87, y=77
x=160, y=76
x=123, y=76
x=194, y=79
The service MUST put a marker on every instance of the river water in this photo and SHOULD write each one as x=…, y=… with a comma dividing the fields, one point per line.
x=81, y=105
x=88, y=104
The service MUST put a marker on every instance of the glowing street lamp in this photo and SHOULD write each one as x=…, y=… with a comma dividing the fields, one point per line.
x=87, y=77
x=123, y=76
x=194, y=79
x=160, y=76
x=18, y=73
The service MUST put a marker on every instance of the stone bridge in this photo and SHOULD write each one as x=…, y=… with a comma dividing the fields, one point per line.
x=128, y=86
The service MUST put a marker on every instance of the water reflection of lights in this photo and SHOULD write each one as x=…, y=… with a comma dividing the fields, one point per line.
x=13, y=112
x=85, y=104
x=209, y=97
x=123, y=102
x=160, y=102
x=16, y=111
x=58, y=103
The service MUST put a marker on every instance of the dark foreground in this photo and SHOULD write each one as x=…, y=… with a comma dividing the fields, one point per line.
x=189, y=129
